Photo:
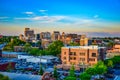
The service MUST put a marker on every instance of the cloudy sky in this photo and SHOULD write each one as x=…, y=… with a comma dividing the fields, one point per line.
x=91, y=17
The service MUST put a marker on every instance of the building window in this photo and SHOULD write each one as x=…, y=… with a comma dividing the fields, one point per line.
x=82, y=59
x=82, y=54
x=64, y=53
x=93, y=54
x=74, y=58
x=65, y=58
x=70, y=58
x=72, y=53
x=91, y=59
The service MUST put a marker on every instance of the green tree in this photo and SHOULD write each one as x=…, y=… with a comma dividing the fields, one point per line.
x=110, y=44
x=2, y=77
x=91, y=71
x=100, y=68
x=72, y=71
x=27, y=47
x=71, y=74
x=70, y=78
x=116, y=59
x=41, y=70
x=110, y=63
x=34, y=51
x=55, y=47
x=74, y=44
x=85, y=76
x=55, y=74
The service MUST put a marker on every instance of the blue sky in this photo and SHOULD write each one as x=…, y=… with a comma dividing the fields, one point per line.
x=75, y=16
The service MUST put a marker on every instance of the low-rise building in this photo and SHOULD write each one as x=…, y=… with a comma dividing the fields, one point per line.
x=115, y=51
x=88, y=55
x=38, y=59
x=6, y=54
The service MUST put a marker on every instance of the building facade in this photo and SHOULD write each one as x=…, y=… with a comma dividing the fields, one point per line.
x=55, y=36
x=115, y=51
x=88, y=55
x=29, y=34
x=45, y=35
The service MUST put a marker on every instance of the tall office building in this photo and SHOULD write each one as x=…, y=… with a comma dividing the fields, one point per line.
x=45, y=35
x=29, y=34
x=55, y=35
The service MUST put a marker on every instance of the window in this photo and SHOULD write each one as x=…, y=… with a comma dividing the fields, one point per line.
x=70, y=58
x=82, y=59
x=74, y=58
x=72, y=53
x=93, y=54
x=82, y=54
x=65, y=58
x=64, y=53
x=91, y=59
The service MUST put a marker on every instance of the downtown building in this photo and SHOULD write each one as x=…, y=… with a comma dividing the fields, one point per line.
x=77, y=55
x=29, y=34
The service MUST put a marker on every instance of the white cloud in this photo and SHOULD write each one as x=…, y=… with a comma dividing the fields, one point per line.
x=43, y=11
x=96, y=16
x=43, y=18
x=28, y=13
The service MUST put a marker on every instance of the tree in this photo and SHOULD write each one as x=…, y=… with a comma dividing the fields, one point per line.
x=34, y=51
x=73, y=44
x=85, y=76
x=110, y=44
x=27, y=47
x=55, y=47
x=100, y=68
x=41, y=70
x=72, y=71
x=91, y=71
x=71, y=74
x=110, y=63
x=2, y=77
x=55, y=74
x=70, y=78
x=116, y=59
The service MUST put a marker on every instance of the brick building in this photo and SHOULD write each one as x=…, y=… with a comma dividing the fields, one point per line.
x=89, y=55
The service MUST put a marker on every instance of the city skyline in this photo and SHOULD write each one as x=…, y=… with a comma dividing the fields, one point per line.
x=94, y=18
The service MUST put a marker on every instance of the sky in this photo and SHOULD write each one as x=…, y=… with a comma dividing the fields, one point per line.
x=90, y=17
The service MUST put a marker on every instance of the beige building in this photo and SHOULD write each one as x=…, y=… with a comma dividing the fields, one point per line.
x=84, y=42
x=55, y=36
x=21, y=37
x=115, y=51
x=45, y=43
x=88, y=55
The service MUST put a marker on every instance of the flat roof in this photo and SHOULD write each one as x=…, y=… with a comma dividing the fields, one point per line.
x=7, y=52
x=84, y=47
x=16, y=76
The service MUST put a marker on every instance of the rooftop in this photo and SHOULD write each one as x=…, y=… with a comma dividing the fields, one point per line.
x=84, y=47
x=5, y=52
x=15, y=76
